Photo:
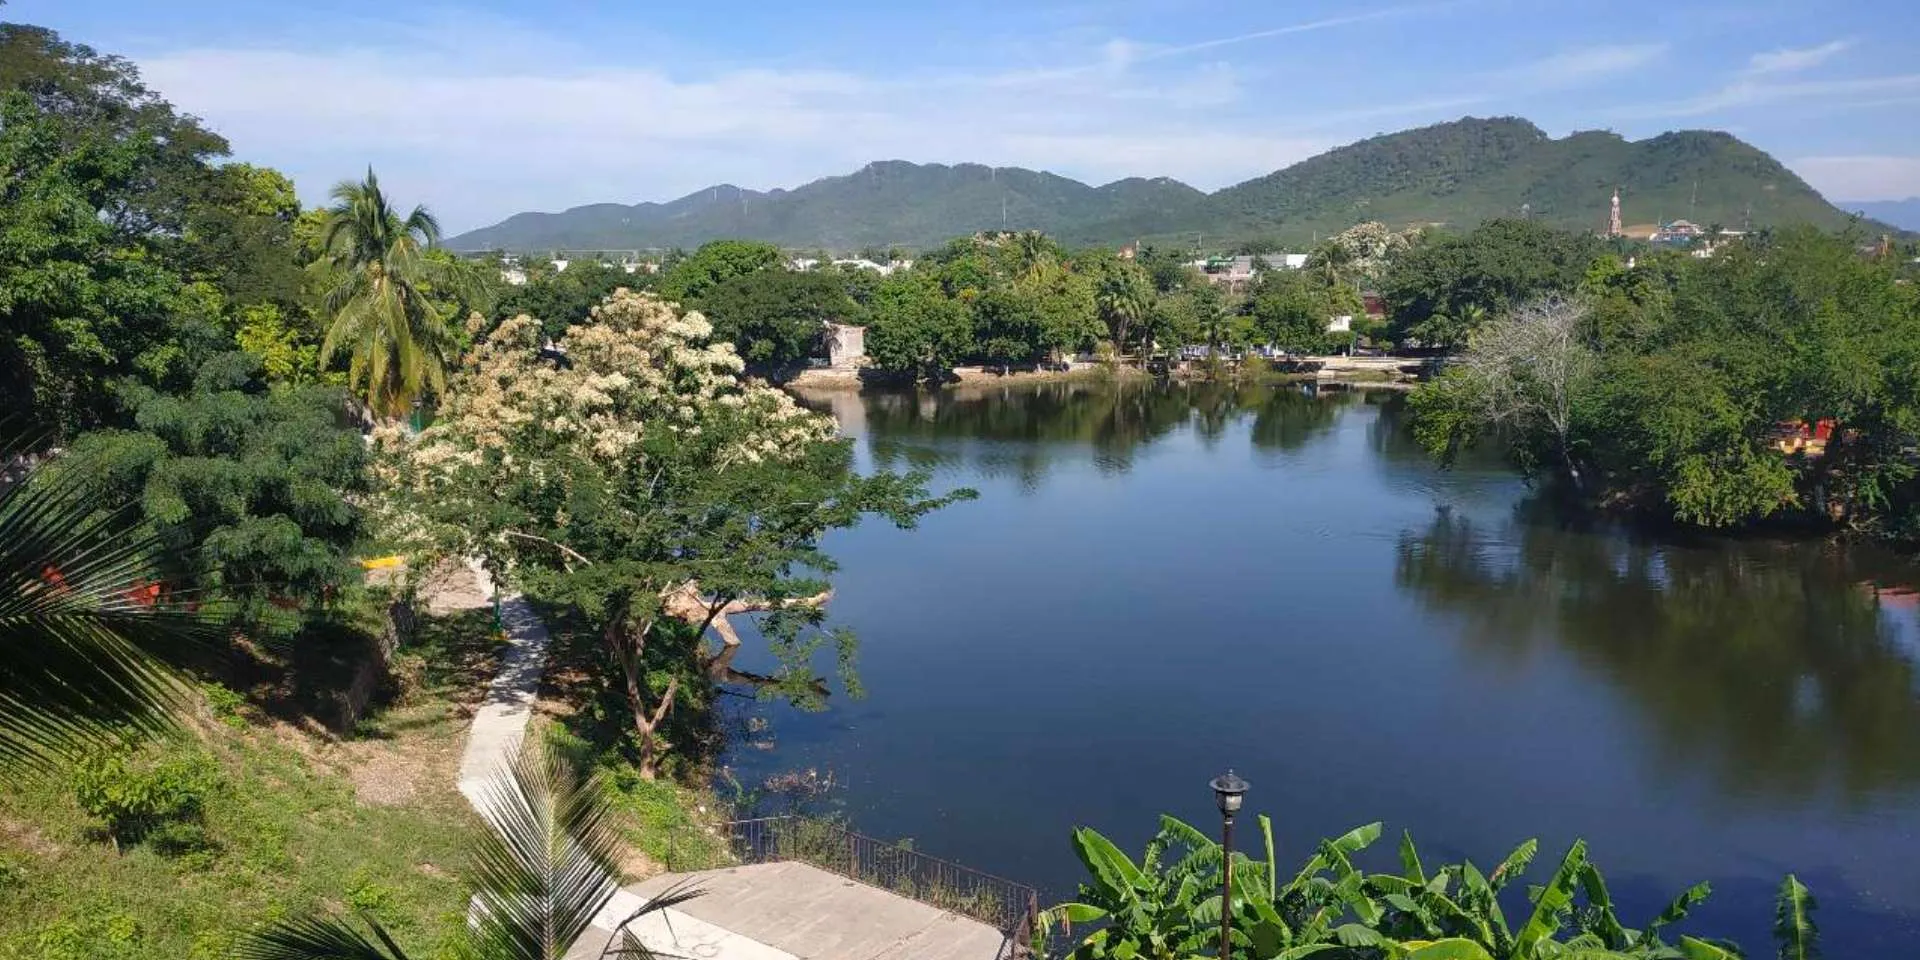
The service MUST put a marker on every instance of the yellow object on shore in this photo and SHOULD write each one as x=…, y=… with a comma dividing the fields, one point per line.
x=383, y=563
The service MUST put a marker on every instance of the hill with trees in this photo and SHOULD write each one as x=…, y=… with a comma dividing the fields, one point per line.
x=1456, y=174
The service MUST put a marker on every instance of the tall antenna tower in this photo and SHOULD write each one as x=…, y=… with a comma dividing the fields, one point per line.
x=1613, y=219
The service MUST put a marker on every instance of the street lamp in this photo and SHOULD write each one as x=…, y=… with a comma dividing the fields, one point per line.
x=1228, y=791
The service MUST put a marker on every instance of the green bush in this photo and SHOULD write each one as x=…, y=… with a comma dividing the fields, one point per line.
x=229, y=707
x=147, y=797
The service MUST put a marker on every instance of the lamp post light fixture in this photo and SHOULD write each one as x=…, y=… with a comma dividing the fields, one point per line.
x=1228, y=791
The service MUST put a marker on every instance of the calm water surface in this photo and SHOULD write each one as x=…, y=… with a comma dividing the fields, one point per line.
x=1160, y=583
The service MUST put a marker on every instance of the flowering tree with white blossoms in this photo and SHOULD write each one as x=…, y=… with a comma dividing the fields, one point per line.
x=629, y=471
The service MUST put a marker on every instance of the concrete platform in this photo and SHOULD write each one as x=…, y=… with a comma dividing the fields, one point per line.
x=792, y=911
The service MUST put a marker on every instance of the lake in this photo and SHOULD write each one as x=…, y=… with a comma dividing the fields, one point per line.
x=1159, y=583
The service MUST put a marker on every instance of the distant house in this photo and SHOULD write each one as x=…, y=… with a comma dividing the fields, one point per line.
x=1341, y=324
x=802, y=263
x=1679, y=233
x=846, y=345
x=882, y=269
x=1235, y=271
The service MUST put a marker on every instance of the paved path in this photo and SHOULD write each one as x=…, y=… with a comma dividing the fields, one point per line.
x=501, y=722
x=771, y=911
x=793, y=911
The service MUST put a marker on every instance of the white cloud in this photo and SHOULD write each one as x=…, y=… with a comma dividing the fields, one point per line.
x=478, y=134
x=1308, y=27
x=1584, y=65
x=1759, y=92
x=1791, y=60
x=1862, y=177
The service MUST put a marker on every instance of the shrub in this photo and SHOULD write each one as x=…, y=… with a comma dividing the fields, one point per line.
x=227, y=706
x=144, y=796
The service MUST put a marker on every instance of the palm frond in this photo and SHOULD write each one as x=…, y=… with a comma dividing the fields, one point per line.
x=319, y=938
x=92, y=651
x=425, y=225
x=551, y=861
x=630, y=945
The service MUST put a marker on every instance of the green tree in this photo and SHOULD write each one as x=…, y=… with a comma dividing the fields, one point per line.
x=775, y=317
x=915, y=330
x=1290, y=309
x=1123, y=293
x=647, y=484
x=564, y=298
x=84, y=302
x=248, y=491
x=399, y=343
x=1497, y=265
x=239, y=236
x=696, y=275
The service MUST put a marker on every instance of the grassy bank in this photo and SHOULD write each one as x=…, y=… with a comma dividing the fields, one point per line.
x=292, y=818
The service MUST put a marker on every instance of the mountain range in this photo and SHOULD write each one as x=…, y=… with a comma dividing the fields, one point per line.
x=1904, y=214
x=1449, y=174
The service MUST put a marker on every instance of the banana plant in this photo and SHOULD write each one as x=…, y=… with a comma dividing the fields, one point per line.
x=1169, y=906
x=1149, y=912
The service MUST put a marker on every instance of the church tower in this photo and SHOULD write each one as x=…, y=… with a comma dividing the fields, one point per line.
x=1613, y=221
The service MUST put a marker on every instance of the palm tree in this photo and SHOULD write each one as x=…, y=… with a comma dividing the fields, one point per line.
x=1123, y=298
x=545, y=868
x=1034, y=253
x=1331, y=261
x=399, y=342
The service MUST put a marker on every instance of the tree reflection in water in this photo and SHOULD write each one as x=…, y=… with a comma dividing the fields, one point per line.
x=1020, y=430
x=1774, y=668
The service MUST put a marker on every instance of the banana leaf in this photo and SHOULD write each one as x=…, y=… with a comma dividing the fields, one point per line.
x=1793, y=927
x=1678, y=909
x=1554, y=900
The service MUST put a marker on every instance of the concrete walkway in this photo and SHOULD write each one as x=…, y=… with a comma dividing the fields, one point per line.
x=501, y=722
x=771, y=911
x=793, y=911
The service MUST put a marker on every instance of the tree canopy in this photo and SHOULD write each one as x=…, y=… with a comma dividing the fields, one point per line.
x=775, y=317
x=1437, y=289
x=642, y=478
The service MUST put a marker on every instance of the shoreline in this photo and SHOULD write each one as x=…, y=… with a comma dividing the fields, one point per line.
x=1340, y=372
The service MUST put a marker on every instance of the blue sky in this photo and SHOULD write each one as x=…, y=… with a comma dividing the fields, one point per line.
x=486, y=107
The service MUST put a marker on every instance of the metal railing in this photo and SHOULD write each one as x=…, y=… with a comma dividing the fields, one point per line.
x=1009, y=907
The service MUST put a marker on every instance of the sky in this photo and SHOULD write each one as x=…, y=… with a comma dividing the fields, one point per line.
x=483, y=108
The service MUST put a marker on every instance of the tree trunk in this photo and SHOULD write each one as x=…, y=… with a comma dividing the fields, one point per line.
x=649, y=742
x=627, y=647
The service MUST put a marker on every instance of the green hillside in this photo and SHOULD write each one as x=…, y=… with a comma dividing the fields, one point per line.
x=1456, y=173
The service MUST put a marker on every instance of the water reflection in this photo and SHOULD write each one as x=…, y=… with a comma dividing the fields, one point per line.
x=1768, y=667
x=1158, y=582
x=1020, y=431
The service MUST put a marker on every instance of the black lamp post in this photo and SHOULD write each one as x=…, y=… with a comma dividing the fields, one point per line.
x=1228, y=791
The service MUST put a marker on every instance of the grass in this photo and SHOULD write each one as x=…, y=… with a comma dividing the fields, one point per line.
x=296, y=822
x=674, y=822
x=300, y=819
